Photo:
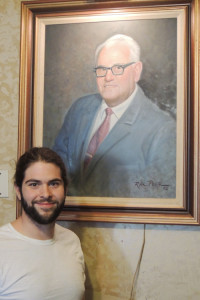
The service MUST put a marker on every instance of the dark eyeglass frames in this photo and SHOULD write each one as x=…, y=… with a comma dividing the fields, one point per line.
x=116, y=69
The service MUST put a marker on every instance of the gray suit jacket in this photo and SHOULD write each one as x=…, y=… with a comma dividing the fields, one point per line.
x=136, y=159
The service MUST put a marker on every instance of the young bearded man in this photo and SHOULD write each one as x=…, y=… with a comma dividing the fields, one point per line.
x=39, y=259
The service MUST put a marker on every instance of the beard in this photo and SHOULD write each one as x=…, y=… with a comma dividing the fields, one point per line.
x=34, y=214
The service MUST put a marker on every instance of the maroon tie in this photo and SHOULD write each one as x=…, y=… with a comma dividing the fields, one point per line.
x=98, y=137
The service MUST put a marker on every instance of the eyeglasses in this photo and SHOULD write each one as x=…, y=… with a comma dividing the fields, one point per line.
x=116, y=69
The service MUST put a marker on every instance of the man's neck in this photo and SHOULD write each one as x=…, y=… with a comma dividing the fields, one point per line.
x=31, y=229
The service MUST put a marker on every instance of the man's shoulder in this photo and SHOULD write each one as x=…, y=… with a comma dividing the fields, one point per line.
x=65, y=233
x=87, y=100
x=151, y=111
x=6, y=234
x=5, y=229
x=87, y=104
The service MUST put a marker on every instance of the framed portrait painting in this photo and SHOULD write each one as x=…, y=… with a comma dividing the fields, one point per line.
x=73, y=66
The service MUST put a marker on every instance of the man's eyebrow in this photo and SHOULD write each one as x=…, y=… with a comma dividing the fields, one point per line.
x=56, y=179
x=37, y=181
x=32, y=180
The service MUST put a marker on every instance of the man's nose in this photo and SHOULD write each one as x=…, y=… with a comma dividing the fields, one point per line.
x=45, y=191
x=109, y=75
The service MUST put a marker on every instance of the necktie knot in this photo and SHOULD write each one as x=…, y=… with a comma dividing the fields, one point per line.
x=109, y=111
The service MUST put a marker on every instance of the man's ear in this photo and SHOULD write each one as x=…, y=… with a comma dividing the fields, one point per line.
x=138, y=70
x=18, y=192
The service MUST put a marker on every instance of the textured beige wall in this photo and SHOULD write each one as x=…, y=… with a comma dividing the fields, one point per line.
x=170, y=265
x=9, y=81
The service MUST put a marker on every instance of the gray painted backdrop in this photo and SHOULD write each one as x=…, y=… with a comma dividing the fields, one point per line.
x=69, y=62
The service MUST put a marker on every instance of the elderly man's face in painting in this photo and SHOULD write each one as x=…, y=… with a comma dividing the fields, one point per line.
x=115, y=89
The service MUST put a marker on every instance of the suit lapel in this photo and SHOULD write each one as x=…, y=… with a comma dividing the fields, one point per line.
x=85, y=126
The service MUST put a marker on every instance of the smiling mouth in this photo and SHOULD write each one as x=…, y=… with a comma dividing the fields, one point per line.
x=46, y=206
x=46, y=203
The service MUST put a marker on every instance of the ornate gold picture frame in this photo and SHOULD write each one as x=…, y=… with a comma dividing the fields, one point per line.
x=52, y=78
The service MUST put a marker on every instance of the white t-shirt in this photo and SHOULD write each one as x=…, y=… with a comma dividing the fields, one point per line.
x=32, y=269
